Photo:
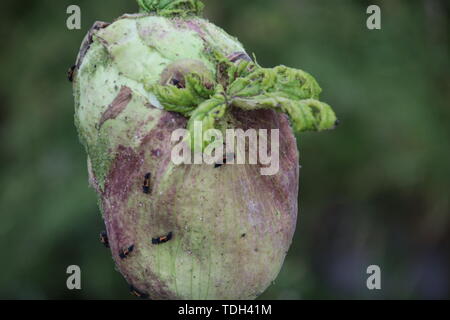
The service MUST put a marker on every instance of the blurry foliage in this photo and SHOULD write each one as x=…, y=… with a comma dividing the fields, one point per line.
x=375, y=191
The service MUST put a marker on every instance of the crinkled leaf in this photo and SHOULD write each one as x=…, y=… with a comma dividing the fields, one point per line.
x=305, y=115
x=205, y=116
x=171, y=7
x=248, y=86
x=283, y=81
x=183, y=100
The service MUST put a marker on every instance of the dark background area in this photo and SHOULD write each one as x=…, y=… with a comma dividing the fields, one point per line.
x=375, y=191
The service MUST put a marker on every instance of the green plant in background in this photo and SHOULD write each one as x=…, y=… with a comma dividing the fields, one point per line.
x=193, y=232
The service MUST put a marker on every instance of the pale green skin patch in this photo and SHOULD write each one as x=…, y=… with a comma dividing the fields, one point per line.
x=231, y=226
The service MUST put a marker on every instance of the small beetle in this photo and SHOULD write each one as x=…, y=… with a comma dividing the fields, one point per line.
x=104, y=239
x=123, y=254
x=163, y=239
x=146, y=187
x=137, y=293
x=177, y=83
x=226, y=158
x=70, y=73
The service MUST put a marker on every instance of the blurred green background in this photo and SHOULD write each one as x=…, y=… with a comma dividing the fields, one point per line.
x=375, y=191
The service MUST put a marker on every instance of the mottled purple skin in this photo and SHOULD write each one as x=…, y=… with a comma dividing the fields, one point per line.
x=253, y=233
x=231, y=226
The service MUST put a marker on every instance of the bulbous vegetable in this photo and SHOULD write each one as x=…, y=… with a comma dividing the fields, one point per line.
x=188, y=231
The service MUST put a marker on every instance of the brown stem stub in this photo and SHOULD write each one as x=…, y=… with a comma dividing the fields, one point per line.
x=88, y=41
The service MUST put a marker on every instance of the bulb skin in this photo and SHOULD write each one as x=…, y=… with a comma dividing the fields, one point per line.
x=177, y=231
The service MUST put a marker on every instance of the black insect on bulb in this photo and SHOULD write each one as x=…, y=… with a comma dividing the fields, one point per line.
x=146, y=187
x=124, y=253
x=137, y=293
x=163, y=239
x=226, y=158
x=177, y=83
x=70, y=73
x=104, y=239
